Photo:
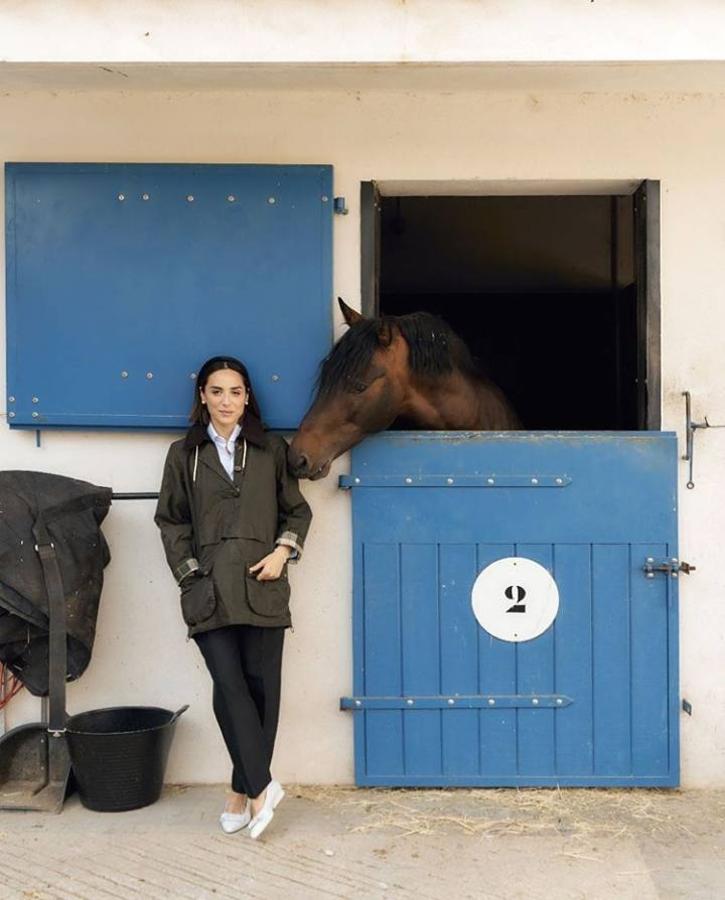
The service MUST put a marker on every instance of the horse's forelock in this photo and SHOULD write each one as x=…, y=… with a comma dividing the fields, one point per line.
x=434, y=349
x=350, y=357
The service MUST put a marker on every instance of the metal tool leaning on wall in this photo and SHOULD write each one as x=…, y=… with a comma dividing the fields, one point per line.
x=52, y=556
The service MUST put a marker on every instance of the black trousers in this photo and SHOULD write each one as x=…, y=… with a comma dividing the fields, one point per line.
x=245, y=663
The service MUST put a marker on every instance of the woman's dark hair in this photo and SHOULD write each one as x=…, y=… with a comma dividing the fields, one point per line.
x=199, y=414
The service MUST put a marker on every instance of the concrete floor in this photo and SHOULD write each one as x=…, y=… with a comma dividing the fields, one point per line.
x=342, y=842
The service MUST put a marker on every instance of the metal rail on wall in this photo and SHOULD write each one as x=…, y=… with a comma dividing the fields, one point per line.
x=690, y=429
x=135, y=495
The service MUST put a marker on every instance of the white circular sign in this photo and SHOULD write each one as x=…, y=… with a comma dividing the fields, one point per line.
x=515, y=599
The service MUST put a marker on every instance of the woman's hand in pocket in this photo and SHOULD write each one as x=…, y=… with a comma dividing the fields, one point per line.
x=270, y=567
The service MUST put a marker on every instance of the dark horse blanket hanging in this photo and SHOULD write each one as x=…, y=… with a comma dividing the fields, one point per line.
x=73, y=511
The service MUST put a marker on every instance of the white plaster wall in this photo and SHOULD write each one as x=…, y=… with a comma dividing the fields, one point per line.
x=352, y=31
x=141, y=654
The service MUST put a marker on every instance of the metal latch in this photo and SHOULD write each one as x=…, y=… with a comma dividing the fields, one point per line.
x=671, y=567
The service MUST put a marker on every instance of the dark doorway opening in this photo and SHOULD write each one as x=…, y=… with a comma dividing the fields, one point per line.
x=557, y=296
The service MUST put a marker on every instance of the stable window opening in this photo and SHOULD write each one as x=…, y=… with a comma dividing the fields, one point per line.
x=556, y=296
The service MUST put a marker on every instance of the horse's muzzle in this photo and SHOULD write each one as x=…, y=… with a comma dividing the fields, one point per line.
x=300, y=465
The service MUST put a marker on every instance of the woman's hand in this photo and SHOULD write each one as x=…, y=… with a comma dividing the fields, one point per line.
x=271, y=566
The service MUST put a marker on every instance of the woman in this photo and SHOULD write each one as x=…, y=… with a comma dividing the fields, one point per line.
x=231, y=517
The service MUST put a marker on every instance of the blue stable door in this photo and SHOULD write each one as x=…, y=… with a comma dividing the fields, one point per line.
x=590, y=700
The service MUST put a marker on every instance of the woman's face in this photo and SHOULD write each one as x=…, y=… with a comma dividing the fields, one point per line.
x=225, y=397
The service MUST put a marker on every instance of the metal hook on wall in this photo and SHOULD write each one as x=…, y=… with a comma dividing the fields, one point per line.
x=690, y=429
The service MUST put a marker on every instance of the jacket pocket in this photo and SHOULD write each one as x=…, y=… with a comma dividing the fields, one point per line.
x=198, y=599
x=268, y=598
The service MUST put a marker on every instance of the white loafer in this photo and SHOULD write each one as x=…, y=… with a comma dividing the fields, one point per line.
x=273, y=797
x=231, y=822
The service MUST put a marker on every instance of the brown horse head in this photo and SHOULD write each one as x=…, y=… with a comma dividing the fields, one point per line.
x=412, y=367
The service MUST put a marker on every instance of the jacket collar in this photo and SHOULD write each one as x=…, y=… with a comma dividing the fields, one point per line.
x=251, y=429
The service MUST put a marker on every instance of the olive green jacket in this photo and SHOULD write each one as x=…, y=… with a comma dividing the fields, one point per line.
x=213, y=529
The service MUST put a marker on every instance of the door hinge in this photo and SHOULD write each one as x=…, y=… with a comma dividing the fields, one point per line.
x=686, y=706
x=671, y=567
x=340, y=206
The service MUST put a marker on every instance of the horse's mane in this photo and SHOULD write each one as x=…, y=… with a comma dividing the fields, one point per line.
x=435, y=349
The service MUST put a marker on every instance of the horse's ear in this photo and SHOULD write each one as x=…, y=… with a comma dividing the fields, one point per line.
x=350, y=315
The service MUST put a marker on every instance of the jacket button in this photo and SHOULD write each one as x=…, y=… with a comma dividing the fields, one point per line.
x=237, y=468
x=237, y=492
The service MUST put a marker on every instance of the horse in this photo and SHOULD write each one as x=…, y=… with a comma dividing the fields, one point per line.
x=411, y=370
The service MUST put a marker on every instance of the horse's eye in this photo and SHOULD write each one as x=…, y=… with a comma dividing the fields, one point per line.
x=358, y=387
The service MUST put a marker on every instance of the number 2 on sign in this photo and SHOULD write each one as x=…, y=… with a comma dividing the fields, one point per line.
x=517, y=593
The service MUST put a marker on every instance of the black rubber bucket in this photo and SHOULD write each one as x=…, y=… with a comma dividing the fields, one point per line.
x=119, y=755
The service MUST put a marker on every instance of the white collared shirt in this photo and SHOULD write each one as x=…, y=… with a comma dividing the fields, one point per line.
x=225, y=447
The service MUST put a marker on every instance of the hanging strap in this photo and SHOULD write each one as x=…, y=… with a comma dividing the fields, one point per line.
x=57, y=649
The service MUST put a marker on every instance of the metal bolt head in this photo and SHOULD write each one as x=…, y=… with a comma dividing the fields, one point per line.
x=535, y=701
x=271, y=200
x=650, y=559
x=190, y=198
x=275, y=378
x=356, y=480
x=358, y=703
x=491, y=701
x=559, y=701
x=35, y=415
x=144, y=196
x=121, y=197
x=11, y=399
x=560, y=481
x=674, y=574
x=124, y=374
x=409, y=702
x=534, y=480
x=149, y=375
x=193, y=376
x=325, y=198
x=35, y=399
x=408, y=480
x=449, y=481
x=451, y=701
x=11, y=415
x=650, y=575
x=231, y=198
x=490, y=481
